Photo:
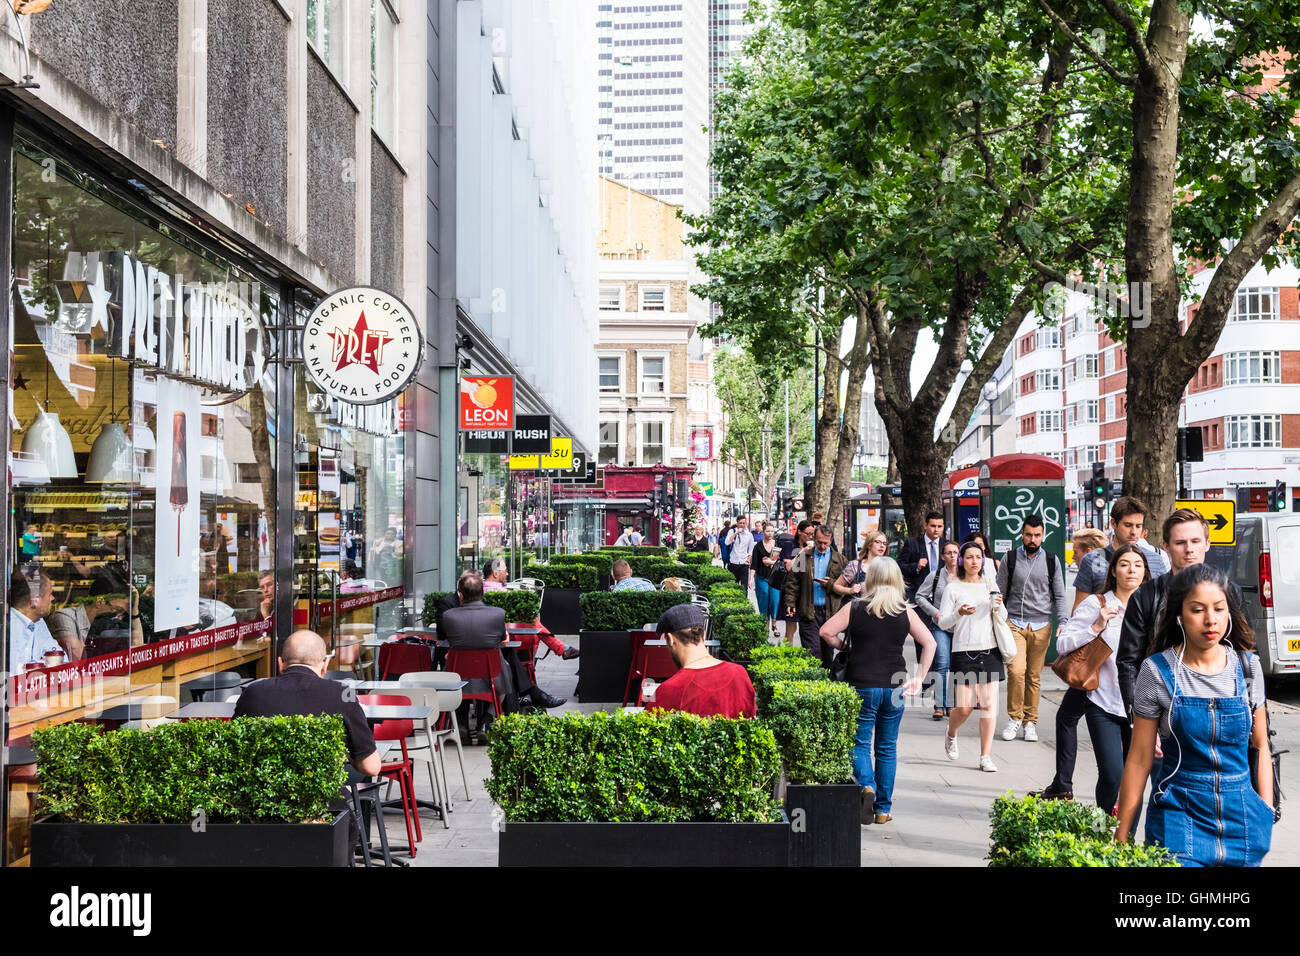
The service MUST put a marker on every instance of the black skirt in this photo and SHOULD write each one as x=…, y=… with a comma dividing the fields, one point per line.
x=986, y=664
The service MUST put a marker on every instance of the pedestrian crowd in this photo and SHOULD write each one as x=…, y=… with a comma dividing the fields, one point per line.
x=1155, y=646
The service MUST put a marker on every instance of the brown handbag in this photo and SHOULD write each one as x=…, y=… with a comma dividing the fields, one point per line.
x=1081, y=667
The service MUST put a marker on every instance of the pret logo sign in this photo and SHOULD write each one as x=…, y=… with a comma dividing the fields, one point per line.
x=487, y=402
x=362, y=345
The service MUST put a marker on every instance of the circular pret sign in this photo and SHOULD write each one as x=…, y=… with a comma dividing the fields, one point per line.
x=362, y=345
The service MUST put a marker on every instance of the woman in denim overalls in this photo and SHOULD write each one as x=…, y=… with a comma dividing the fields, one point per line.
x=1203, y=807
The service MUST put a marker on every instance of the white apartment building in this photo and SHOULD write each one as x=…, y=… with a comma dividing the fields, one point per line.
x=653, y=98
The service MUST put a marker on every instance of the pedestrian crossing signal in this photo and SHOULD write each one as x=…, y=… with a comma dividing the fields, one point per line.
x=1277, y=497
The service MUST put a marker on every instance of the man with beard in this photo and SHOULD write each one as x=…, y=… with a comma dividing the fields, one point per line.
x=1032, y=581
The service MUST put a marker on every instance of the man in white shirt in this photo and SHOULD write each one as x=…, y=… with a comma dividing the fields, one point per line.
x=741, y=543
x=29, y=637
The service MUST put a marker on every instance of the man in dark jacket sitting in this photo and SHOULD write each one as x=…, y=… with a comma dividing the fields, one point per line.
x=478, y=626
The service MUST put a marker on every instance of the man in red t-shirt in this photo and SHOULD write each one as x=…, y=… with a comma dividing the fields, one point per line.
x=704, y=685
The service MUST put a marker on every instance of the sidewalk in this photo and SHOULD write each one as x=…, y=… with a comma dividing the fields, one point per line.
x=941, y=807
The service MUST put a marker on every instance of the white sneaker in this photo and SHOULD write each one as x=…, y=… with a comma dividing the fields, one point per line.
x=987, y=764
x=1031, y=731
x=950, y=747
x=1011, y=731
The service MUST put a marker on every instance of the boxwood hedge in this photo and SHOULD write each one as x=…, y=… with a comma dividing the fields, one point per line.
x=284, y=769
x=815, y=722
x=626, y=610
x=522, y=607
x=564, y=575
x=1032, y=832
x=632, y=767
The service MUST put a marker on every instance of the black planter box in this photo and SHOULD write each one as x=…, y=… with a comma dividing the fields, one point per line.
x=603, y=666
x=55, y=843
x=561, y=613
x=644, y=844
x=825, y=824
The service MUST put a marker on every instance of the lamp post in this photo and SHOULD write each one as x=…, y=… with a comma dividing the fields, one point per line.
x=767, y=437
x=990, y=395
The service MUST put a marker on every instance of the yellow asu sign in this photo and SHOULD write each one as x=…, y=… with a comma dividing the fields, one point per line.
x=561, y=456
x=1221, y=516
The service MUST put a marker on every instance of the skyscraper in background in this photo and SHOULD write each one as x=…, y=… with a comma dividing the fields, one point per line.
x=653, y=96
x=727, y=34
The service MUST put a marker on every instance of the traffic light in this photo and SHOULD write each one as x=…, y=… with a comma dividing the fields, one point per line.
x=1277, y=497
x=1100, y=486
x=683, y=492
x=807, y=491
x=661, y=494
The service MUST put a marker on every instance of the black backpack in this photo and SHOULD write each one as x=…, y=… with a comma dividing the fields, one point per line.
x=1253, y=753
x=1051, y=573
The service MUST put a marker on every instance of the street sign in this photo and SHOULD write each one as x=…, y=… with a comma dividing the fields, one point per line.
x=560, y=456
x=1221, y=516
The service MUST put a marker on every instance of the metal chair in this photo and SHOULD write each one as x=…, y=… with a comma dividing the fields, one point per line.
x=427, y=748
x=656, y=664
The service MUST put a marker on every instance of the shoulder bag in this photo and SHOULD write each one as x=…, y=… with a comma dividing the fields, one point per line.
x=1002, y=636
x=840, y=662
x=1081, y=668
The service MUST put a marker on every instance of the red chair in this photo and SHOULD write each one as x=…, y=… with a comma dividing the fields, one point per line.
x=528, y=649
x=478, y=665
x=657, y=664
x=636, y=670
x=398, y=770
x=397, y=658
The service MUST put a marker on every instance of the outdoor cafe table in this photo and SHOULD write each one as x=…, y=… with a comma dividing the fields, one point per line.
x=124, y=712
x=200, y=687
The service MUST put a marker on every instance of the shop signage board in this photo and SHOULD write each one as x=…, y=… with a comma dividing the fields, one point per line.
x=206, y=332
x=560, y=457
x=524, y=462
x=576, y=472
x=487, y=401
x=480, y=441
x=1220, y=515
x=532, y=435
x=362, y=345
x=706, y=488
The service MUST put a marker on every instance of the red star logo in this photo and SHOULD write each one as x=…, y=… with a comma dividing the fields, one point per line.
x=359, y=345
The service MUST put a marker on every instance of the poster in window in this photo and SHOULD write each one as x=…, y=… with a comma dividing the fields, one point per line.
x=176, y=514
x=328, y=537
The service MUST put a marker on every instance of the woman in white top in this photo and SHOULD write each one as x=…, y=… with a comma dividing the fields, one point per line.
x=1102, y=615
x=966, y=612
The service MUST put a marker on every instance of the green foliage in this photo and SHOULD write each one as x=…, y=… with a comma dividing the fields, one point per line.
x=697, y=558
x=521, y=607
x=603, y=563
x=739, y=634
x=654, y=568
x=632, y=767
x=749, y=399
x=782, y=652
x=286, y=769
x=709, y=576
x=814, y=723
x=626, y=610
x=645, y=549
x=566, y=575
x=1027, y=831
x=767, y=672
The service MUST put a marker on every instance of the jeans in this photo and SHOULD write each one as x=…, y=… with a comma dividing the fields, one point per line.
x=1110, y=738
x=1073, y=706
x=940, y=681
x=881, y=714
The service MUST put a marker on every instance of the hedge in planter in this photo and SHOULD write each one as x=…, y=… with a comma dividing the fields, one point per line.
x=660, y=767
x=642, y=549
x=626, y=610
x=602, y=563
x=521, y=607
x=581, y=577
x=766, y=673
x=250, y=770
x=696, y=558
x=1032, y=832
x=782, y=651
x=814, y=722
x=740, y=634
x=708, y=576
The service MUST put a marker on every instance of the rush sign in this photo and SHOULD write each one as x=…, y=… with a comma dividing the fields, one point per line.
x=487, y=402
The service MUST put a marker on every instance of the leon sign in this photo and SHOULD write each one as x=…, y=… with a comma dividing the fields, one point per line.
x=487, y=402
x=362, y=345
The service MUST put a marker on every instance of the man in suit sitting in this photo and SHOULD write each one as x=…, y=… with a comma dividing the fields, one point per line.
x=478, y=626
x=922, y=554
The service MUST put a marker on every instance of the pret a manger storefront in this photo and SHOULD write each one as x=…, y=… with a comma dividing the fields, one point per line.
x=183, y=490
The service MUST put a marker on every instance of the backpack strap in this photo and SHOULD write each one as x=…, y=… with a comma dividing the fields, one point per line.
x=934, y=586
x=1011, y=568
x=1051, y=577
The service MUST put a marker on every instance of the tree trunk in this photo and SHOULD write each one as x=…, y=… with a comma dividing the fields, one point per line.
x=1154, y=387
x=858, y=360
x=828, y=433
x=891, y=472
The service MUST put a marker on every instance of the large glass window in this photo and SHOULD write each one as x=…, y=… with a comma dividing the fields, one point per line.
x=1255, y=305
x=1254, y=368
x=327, y=32
x=383, y=70
x=1254, y=431
x=652, y=443
x=609, y=449
x=142, y=465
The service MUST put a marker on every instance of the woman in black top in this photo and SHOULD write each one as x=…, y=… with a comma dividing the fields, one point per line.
x=877, y=627
x=764, y=556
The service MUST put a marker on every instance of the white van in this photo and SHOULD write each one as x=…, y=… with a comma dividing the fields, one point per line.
x=1265, y=564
